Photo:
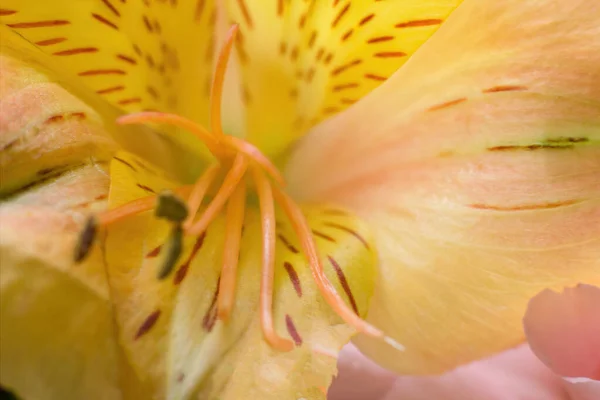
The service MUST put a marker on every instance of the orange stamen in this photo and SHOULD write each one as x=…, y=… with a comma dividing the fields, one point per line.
x=172, y=119
x=134, y=207
x=198, y=192
x=217, y=148
x=267, y=211
x=328, y=291
x=233, y=194
x=232, y=179
x=257, y=156
x=216, y=91
x=233, y=237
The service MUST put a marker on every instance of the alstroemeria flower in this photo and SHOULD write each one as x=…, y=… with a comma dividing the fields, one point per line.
x=472, y=174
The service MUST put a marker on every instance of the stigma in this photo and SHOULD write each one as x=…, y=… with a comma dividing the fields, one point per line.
x=239, y=167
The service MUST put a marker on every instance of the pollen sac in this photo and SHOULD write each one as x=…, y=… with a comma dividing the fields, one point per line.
x=86, y=240
x=173, y=249
x=170, y=207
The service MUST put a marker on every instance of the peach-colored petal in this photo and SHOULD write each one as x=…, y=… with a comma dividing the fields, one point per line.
x=477, y=166
x=563, y=330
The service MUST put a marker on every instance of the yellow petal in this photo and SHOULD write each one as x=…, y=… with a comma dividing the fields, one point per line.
x=137, y=54
x=49, y=121
x=43, y=128
x=170, y=330
x=53, y=154
x=302, y=61
x=53, y=312
x=477, y=165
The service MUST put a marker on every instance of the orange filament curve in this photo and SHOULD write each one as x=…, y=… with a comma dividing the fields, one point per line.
x=331, y=295
x=216, y=91
x=233, y=237
x=198, y=192
x=229, y=145
x=241, y=155
x=267, y=212
x=257, y=156
x=172, y=119
x=134, y=207
x=231, y=181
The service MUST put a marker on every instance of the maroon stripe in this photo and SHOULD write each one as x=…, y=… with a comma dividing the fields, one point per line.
x=293, y=277
x=291, y=328
x=148, y=323
x=182, y=271
x=287, y=243
x=344, y=283
x=348, y=230
x=210, y=318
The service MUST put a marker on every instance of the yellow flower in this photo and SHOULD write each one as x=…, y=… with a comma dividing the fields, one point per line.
x=469, y=180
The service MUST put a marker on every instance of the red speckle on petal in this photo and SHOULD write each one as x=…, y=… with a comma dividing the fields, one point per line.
x=291, y=328
x=293, y=275
x=148, y=323
x=344, y=282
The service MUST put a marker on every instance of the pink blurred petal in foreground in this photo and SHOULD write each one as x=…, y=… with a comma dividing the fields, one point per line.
x=563, y=362
x=512, y=375
x=563, y=330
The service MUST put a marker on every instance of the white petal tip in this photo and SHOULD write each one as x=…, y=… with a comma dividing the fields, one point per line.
x=393, y=343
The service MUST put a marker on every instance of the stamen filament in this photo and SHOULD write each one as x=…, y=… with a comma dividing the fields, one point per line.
x=198, y=192
x=233, y=237
x=134, y=207
x=267, y=211
x=165, y=118
x=232, y=179
x=217, y=146
x=216, y=91
x=257, y=156
x=307, y=242
x=231, y=194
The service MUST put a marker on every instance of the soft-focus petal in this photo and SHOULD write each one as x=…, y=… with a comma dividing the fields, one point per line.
x=54, y=152
x=170, y=328
x=583, y=389
x=563, y=329
x=513, y=374
x=302, y=61
x=477, y=165
x=43, y=128
x=54, y=313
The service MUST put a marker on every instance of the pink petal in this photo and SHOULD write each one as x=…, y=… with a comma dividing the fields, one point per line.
x=583, y=389
x=563, y=330
x=513, y=374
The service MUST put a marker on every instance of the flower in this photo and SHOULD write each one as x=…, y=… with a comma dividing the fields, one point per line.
x=471, y=173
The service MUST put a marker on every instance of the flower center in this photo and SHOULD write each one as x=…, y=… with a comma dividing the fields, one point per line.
x=241, y=163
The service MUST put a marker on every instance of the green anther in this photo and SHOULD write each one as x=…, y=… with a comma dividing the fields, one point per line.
x=86, y=240
x=170, y=207
x=172, y=252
